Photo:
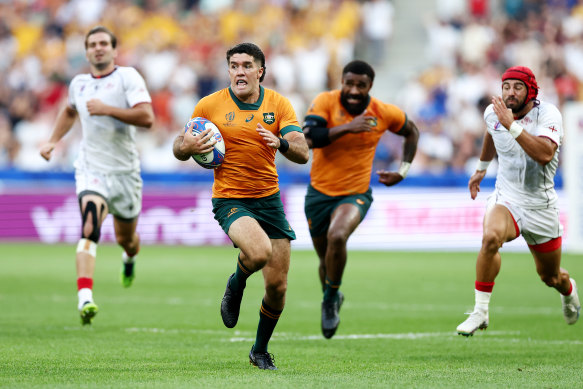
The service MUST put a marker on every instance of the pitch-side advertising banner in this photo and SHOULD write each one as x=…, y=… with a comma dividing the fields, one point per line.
x=399, y=219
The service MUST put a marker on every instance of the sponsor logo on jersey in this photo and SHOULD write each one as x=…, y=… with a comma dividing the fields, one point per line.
x=230, y=116
x=232, y=211
x=269, y=117
x=359, y=202
x=249, y=118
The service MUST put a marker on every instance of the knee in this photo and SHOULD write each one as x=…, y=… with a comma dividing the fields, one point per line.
x=491, y=242
x=259, y=256
x=337, y=237
x=276, y=289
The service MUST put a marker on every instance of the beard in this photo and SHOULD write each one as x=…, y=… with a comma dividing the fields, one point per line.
x=518, y=105
x=354, y=109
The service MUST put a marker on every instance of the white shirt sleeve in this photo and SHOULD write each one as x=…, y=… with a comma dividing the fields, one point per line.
x=135, y=88
x=550, y=124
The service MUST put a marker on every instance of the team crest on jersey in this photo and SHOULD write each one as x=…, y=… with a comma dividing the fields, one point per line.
x=269, y=117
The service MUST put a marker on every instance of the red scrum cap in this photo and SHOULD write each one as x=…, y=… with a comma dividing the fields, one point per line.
x=525, y=75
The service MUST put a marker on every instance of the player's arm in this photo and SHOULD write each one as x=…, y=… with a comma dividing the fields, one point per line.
x=318, y=135
x=65, y=120
x=411, y=135
x=141, y=115
x=539, y=148
x=486, y=156
x=292, y=145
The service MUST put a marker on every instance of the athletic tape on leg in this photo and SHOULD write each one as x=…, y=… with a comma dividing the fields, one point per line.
x=87, y=246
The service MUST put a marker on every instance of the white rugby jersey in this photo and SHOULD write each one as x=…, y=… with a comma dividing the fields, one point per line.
x=108, y=145
x=521, y=179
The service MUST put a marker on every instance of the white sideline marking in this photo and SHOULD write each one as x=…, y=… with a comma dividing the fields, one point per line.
x=409, y=335
x=247, y=336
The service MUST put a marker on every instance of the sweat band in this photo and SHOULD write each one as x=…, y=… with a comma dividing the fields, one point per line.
x=482, y=165
x=404, y=169
x=515, y=129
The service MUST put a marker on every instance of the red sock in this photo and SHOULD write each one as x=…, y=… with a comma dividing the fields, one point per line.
x=570, y=289
x=484, y=286
x=84, y=282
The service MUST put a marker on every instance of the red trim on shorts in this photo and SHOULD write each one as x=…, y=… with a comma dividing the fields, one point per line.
x=484, y=286
x=84, y=282
x=547, y=247
x=515, y=225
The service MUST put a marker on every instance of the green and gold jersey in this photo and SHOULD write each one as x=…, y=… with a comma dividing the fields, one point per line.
x=344, y=167
x=248, y=170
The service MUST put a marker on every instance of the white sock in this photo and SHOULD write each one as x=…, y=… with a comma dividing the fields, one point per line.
x=482, y=300
x=127, y=259
x=84, y=294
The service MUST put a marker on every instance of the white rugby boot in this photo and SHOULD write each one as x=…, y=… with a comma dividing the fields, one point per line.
x=478, y=320
x=571, y=305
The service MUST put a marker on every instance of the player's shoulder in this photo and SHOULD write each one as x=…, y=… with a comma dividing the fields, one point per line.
x=489, y=111
x=389, y=107
x=220, y=95
x=127, y=72
x=273, y=94
x=546, y=108
x=83, y=77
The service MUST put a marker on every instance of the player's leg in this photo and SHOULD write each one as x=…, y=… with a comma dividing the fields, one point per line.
x=547, y=257
x=128, y=238
x=345, y=218
x=93, y=212
x=320, y=245
x=499, y=227
x=318, y=209
x=275, y=279
x=256, y=251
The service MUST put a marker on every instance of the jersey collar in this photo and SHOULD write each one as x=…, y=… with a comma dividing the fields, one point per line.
x=104, y=75
x=245, y=106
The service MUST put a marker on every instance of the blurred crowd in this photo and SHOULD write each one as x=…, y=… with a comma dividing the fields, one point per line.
x=179, y=47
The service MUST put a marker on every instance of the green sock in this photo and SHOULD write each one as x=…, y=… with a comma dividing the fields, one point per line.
x=239, y=280
x=268, y=318
x=331, y=290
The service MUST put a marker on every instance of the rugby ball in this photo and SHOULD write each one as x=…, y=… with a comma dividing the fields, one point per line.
x=212, y=159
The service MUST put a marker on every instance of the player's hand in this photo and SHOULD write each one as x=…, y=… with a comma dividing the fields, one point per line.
x=362, y=123
x=505, y=116
x=198, y=144
x=268, y=137
x=474, y=183
x=46, y=150
x=389, y=178
x=96, y=107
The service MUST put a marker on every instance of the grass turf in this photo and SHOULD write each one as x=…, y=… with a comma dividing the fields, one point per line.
x=397, y=323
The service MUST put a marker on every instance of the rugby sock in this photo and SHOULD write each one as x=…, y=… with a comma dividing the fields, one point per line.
x=84, y=290
x=268, y=318
x=127, y=259
x=239, y=280
x=570, y=289
x=331, y=290
x=483, y=293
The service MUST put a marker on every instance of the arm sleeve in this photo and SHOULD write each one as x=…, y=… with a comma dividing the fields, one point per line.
x=135, y=88
x=550, y=124
x=289, y=120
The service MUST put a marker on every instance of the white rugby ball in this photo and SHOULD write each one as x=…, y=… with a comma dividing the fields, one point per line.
x=214, y=158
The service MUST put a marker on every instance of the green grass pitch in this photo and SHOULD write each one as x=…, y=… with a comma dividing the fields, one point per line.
x=397, y=324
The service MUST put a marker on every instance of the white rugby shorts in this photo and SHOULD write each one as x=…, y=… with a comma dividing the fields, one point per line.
x=536, y=226
x=123, y=192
